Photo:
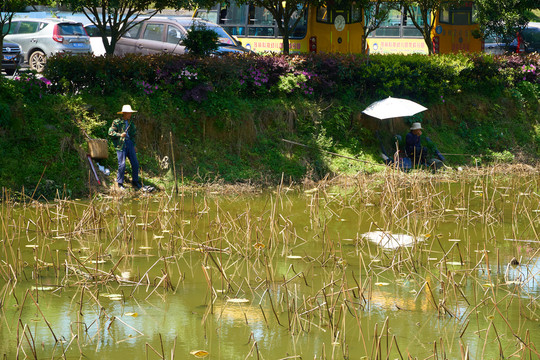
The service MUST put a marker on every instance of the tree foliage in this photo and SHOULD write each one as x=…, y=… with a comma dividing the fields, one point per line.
x=503, y=19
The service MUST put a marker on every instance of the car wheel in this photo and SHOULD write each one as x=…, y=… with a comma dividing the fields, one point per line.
x=37, y=61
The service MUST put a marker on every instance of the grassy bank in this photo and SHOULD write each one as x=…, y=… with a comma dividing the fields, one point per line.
x=224, y=119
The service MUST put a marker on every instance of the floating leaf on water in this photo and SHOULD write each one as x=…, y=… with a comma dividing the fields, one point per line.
x=432, y=259
x=125, y=275
x=131, y=216
x=166, y=231
x=448, y=210
x=98, y=261
x=461, y=209
x=482, y=251
x=455, y=263
x=145, y=248
x=381, y=284
x=220, y=290
x=44, y=288
x=33, y=246
x=132, y=314
x=141, y=224
x=513, y=282
x=199, y=353
x=454, y=240
x=427, y=236
x=237, y=301
x=490, y=317
x=259, y=246
x=294, y=257
x=158, y=236
x=186, y=222
x=477, y=191
x=59, y=237
x=487, y=285
x=369, y=204
x=342, y=219
x=311, y=191
x=413, y=291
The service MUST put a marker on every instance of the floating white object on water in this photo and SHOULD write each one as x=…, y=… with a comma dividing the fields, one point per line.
x=158, y=236
x=237, y=301
x=513, y=282
x=461, y=209
x=44, y=288
x=387, y=240
x=381, y=284
x=33, y=246
x=294, y=257
x=455, y=263
x=454, y=240
x=145, y=248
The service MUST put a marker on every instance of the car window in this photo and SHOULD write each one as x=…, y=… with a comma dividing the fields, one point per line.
x=153, y=32
x=28, y=27
x=93, y=31
x=71, y=29
x=133, y=33
x=174, y=35
x=11, y=29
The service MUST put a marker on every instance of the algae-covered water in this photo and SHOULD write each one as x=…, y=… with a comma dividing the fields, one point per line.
x=387, y=266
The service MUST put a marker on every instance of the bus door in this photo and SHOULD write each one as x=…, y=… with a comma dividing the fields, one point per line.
x=337, y=29
x=455, y=28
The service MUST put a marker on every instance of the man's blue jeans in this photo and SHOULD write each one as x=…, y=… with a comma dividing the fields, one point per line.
x=127, y=152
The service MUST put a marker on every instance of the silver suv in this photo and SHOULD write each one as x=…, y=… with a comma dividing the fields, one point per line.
x=40, y=38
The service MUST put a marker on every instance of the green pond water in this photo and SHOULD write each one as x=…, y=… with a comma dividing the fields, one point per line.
x=421, y=267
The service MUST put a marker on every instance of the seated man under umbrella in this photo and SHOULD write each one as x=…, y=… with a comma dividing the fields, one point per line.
x=418, y=153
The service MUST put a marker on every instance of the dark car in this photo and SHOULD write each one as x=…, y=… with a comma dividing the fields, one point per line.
x=11, y=57
x=162, y=34
x=530, y=38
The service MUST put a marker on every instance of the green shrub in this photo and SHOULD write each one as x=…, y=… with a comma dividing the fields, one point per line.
x=200, y=40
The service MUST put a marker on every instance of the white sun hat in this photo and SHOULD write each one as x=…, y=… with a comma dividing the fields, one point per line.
x=126, y=109
x=416, y=126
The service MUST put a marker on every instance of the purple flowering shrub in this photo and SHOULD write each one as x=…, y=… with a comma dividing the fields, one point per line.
x=32, y=85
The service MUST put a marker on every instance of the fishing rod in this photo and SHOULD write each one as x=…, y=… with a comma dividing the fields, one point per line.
x=331, y=153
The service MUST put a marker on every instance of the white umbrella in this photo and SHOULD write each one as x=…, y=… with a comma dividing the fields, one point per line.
x=393, y=108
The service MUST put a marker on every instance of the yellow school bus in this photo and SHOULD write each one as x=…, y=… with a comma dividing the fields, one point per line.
x=340, y=29
x=320, y=29
x=452, y=32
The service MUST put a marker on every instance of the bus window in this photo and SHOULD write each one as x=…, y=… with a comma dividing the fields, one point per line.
x=208, y=14
x=351, y=14
x=463, y=14
x=233, y=15
x=322, y=15
x=409, y=30
x=390, y=27
x=260, y=16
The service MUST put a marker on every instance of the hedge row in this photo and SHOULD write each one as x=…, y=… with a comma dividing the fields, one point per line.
x=419, y=77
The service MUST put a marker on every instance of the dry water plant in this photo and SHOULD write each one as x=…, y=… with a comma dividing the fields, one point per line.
x=297, y=260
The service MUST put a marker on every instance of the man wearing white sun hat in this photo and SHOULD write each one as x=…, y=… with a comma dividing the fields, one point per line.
x=123, y=133
x=418, y=153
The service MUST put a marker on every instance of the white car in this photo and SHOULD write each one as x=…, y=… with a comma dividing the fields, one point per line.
x=98, y=49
